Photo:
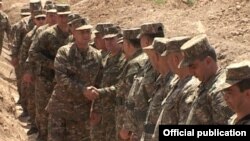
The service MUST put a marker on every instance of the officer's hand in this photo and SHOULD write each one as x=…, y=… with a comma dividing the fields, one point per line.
x=14, y=62
x=27, y=78
x=124, y=134
x=91, y=93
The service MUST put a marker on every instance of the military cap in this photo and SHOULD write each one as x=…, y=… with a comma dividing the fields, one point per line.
x=25, y=11
x=81, y=24
x=194, y=48
x=158, y=45
x=111, y=32
x=63, y=9
x=47, y=3
x=72, y=17
x=39, y=13
x=235, y=73
x=101, y=26
x=174, y=44
x=50, y=8
x=35, y=5
x=131, y=33
x=151, y=28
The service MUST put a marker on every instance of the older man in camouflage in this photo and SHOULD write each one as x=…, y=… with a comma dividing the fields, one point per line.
x=236, y=90
x=77, y=66
x=209, y=106
x=4, y=26
x=103, y=114
x=43, y=51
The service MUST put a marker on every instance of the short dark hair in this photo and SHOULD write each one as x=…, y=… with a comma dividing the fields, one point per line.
x=211, y=52
x=244, y=84
x=135, y=42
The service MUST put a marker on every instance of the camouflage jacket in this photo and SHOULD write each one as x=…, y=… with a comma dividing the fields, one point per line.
x=74, y=71
x=23, y=27
x=4, y=27
x=209, y=106
x=43, y=50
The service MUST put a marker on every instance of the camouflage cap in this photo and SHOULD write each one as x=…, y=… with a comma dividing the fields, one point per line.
x=81, y=24
x=101, y=26
x=50, y=8
x=120, y=40
x=72, y=17
x=47, y=3
x=158, y=45
x=235, y=73
x=111, y=32
x=35, y=5
x=63, y=9
x=25, y=11
x=151, y=28
x=174, y=44
x=39, y=13
x=131, y=34
x=194, y=48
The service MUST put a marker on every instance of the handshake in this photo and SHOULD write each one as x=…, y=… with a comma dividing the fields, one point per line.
x=91, y=93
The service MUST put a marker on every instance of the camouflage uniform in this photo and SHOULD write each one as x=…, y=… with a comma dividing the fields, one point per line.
x=133, y=67
x=236, y=74
x=68, y=108
x=105, y=105
x=43, y=52
x=209, y=106
x=4, y=27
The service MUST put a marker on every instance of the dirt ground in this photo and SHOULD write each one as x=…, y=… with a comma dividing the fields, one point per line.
x=226, y=22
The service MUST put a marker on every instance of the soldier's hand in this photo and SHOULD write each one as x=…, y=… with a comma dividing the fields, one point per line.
x=14, y=62
x=27, y=78
x=95, y=118
x=124, y=134
x=90, y=93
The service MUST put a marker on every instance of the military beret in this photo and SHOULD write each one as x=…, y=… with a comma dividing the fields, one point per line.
x=63, y=9
x=194, y=48
x=81, y=24
x=158, y=45
x=25, y=11
x=131, y=34
x=111, y=32
x=72, y=17
x=101, y=26
x=39, y=13
x=235, y=73
x=35, y=5
x=174, y=44
x=151, y=28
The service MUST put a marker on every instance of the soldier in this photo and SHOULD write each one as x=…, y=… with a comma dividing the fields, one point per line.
x=4, y=25
x=104, y=106
x=24, y=26
x=77, y=66
x=71, y=18
x=27, y=70
x=176, y=105
x=143, y=85
x=237, y=91
x=43, y=51
x=208, y=106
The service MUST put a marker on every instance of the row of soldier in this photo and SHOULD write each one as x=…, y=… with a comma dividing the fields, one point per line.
x=124, y=84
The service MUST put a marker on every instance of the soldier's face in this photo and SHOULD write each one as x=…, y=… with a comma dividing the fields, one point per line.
x=40, y=21
x=51, y=18
x=153, y=58
x=145, y=41
x=82, y=36
x=111, y=44
x=99, y=41
x=199, y=69
x=234, y=98
x=62, y=19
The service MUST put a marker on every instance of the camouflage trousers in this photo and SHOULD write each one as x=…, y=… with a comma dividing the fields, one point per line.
x=29, y=91
x=60, y=129
x=120, y=114
x=43, y=91
x=105, y=130
x=18, y=78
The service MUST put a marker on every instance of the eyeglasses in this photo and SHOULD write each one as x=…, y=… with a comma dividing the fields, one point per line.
x=40, y=18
